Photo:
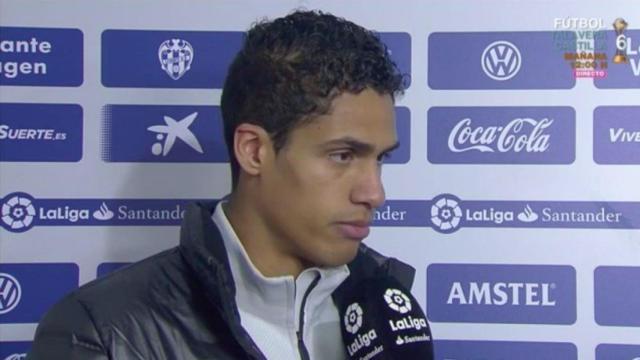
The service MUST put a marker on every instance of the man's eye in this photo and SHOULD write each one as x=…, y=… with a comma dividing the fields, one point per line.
x=383, y=158
x=341, y=157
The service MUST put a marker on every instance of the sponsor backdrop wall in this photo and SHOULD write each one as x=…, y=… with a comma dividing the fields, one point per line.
x=514, y=193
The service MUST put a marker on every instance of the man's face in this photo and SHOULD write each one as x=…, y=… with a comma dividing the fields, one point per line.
x=322, y=187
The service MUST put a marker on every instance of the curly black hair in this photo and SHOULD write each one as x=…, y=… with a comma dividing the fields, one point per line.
x=290, y=69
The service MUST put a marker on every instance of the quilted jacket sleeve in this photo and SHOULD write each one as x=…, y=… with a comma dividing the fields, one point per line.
x=67, y=332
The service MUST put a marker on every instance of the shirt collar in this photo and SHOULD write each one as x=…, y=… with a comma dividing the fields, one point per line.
x=266, y=294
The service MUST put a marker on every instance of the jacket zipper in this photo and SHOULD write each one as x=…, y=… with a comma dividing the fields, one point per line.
x=302, y=349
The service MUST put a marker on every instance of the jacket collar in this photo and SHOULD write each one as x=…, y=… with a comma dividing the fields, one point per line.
x=202, y=248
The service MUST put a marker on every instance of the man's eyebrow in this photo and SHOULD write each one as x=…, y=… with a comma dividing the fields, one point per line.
x=392, y=147
x=357, y=145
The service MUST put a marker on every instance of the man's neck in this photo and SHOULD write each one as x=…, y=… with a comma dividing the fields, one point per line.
x=262, y=246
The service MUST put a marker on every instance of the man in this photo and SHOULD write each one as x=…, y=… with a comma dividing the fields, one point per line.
x=309, y=118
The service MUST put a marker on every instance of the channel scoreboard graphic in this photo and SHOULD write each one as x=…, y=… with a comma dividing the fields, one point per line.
x=513, y=191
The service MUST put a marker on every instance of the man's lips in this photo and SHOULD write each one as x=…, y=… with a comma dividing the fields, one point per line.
x=356, y=230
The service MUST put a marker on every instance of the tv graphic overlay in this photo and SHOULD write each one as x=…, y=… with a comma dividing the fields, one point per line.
x=14, y=350
x=622, y=46
x=27, y=291
x=167, y=59
x=504, y=294
x=497, y=60
x=464, y=349
x=41, y=56
x=580, y=39
x=21, y=212
x=616, y=294
x=163, y=133
x=617, y=351
x=501, y=135
x=32, y=132
x=616, y=135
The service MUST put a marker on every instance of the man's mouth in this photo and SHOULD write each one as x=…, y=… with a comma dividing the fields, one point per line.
x=356, y=230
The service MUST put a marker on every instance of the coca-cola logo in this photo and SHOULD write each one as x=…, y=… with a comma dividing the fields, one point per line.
x=519, y=135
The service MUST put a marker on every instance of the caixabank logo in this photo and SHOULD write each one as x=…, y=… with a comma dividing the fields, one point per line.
x=21, y=212
x=14, y=350
x=616, y=134
x=40, y=132
x=446, y=213
x=499, y=350
x=497, y=60
x=41, y=56
x=27, y=291
x=501, y=135
x=487, y=293
x=168, y=59
x=163, y=133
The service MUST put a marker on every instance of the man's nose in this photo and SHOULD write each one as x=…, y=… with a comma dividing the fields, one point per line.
x=368, y=189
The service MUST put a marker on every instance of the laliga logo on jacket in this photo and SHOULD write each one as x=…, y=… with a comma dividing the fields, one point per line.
x=383, y=321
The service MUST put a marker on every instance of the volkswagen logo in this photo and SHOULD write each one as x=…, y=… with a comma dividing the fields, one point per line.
x=10, y=293
x=501, y=60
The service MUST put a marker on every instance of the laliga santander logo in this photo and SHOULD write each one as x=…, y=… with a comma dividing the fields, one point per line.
x=18, y=212
x=400, y=302
x=446, y=213
x=176, y=56
x=397, y=301
x=353, y=323
x=353, y=318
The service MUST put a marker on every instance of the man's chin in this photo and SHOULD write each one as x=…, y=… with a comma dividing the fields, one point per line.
x=343, y=257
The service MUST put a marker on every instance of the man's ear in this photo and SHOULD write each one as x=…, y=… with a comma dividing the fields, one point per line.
x=251, y=144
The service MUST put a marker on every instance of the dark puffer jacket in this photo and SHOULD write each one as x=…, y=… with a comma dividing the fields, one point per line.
x=178, y=304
